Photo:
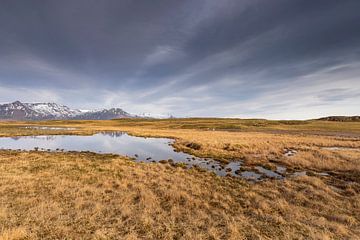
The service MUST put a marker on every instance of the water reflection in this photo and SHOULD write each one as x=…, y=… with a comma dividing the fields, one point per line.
x=113, y=134
x=44, y=137
x=49, y=128
x=341, y=148
x=139, y=148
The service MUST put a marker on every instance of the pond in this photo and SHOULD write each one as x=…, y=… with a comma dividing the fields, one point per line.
x=141, y=149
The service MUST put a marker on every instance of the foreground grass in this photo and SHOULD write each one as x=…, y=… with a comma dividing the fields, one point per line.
x=90, y=196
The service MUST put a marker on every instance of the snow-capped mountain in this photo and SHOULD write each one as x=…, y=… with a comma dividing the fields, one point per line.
x=48, y=111
x=53, y=109
x=103, y=114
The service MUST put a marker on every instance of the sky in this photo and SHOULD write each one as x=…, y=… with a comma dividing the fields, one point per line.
x=276, y=59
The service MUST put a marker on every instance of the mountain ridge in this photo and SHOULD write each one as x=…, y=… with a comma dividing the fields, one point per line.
x=341, y=118
x=52, y=111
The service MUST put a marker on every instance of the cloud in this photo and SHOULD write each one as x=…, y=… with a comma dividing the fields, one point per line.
x=338, y=94
x=282, y=59
x=162, y=54
x=27, y=94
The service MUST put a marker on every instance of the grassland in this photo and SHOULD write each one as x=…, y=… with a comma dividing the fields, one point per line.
x=92, y=196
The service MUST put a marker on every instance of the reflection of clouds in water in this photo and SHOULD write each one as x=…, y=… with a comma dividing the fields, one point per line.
x=49, y=128
x=146, y=149
x=16, y=138
x=44, y=137
x=268, y=172
x=107, y=144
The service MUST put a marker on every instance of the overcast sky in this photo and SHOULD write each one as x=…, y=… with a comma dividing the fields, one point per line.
x=279, y=59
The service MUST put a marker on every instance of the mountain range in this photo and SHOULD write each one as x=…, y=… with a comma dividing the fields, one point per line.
x=53, y=111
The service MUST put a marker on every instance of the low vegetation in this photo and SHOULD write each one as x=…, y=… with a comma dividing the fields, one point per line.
x=92, y=196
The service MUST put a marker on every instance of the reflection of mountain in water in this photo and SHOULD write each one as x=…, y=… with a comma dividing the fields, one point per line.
x=113, y=134
x=45, y=137
x=16, y=138
x=49, y=128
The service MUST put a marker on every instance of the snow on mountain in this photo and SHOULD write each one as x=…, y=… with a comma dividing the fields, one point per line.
x=104, y=114
x=48, y=111
x=84, y=110
x=15, y=110
x=53, y=109
x=156, y=116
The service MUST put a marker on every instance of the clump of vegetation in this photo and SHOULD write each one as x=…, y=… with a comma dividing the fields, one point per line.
x=193, y=145
x=269, y=166
x=230, y=147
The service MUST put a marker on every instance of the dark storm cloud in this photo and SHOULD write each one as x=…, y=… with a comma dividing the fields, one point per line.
x=106, y=39
x=206, y=57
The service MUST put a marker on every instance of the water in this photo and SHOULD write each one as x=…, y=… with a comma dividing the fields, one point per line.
x=341, y=148
x=299, y=174
x=268, y=173
x=141, y=149
x=289, y=152
x=49, y=128
x=250, y=175
x=280, y=169
x=117, y=143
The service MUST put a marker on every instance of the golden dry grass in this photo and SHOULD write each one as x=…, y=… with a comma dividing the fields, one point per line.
x=90, y=196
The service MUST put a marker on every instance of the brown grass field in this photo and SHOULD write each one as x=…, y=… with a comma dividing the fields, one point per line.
x=73, y=195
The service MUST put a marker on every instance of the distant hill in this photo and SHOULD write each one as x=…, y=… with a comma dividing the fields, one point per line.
x=53, y=111
x=341, y=118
